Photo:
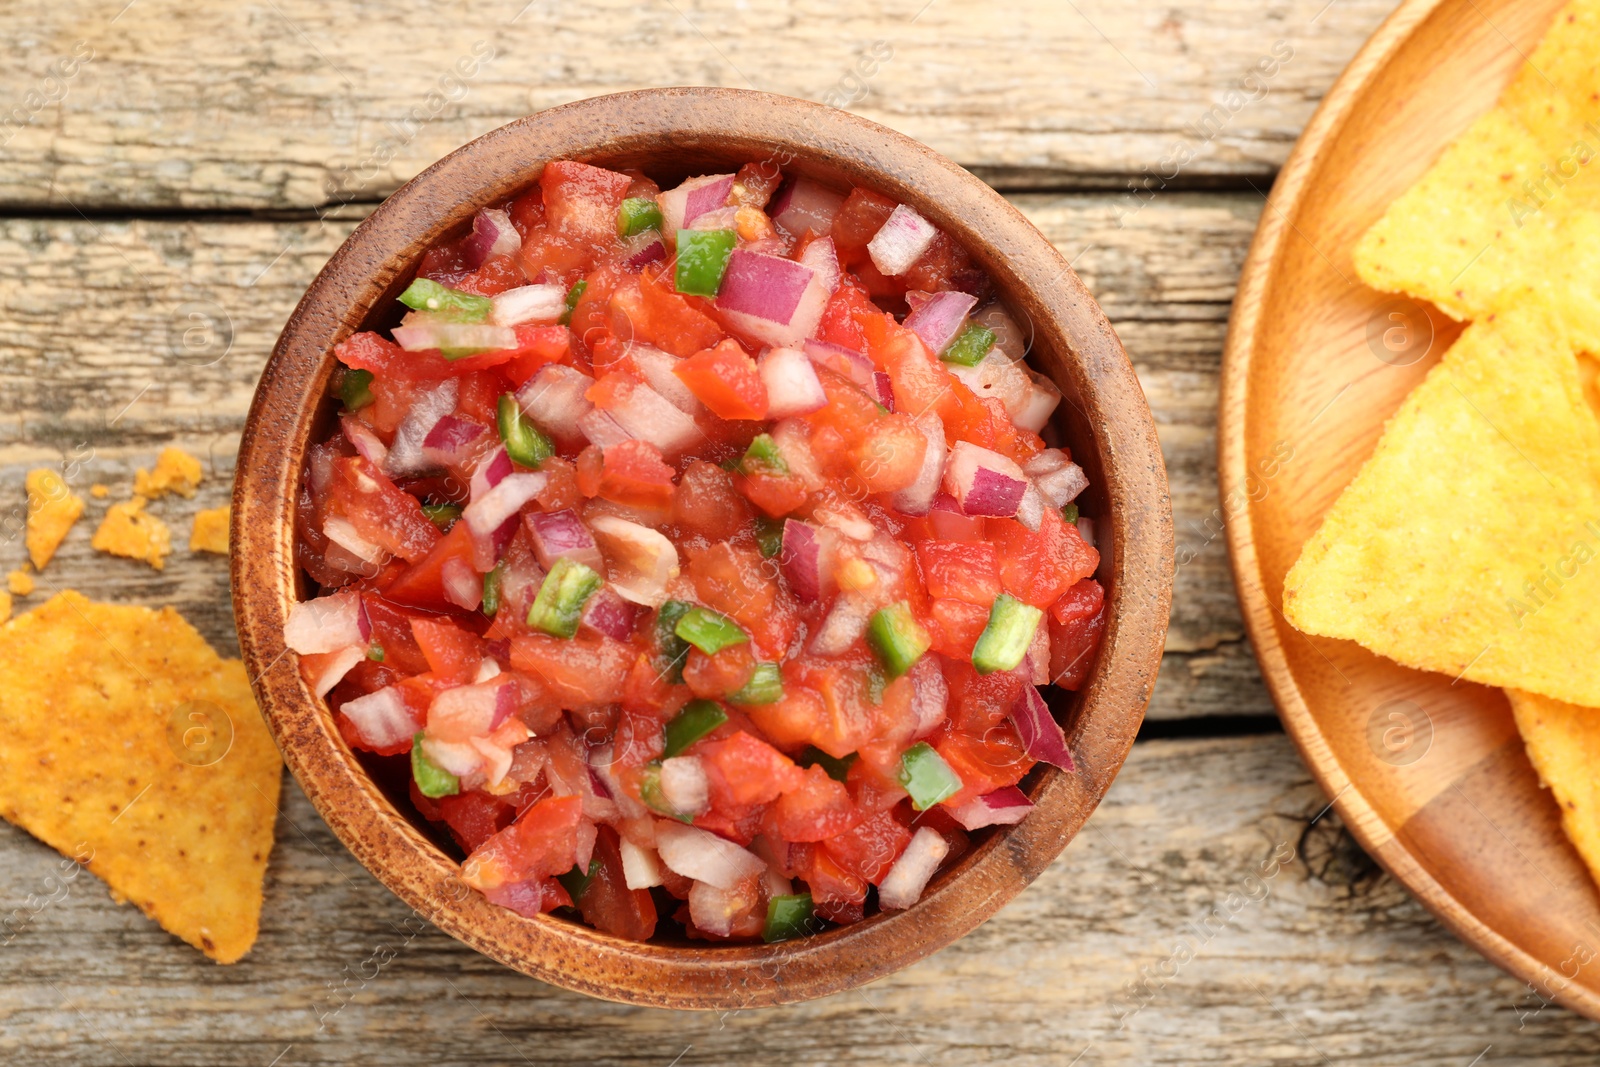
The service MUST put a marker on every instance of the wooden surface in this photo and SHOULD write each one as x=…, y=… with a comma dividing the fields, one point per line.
x=193, y=116
x=1462, y=819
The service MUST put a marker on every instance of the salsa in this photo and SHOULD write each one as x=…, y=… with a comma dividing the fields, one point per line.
x=698, y=551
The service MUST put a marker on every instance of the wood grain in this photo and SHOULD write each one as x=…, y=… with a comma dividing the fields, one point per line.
x=1332, y=963
x=104, y=364
x=291, y=103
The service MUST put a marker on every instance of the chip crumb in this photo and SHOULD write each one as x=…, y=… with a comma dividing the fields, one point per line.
x=107, y=707
x=99, y=491
x=129, y=531
x=19, y=581
x=52, y=509
x=211, y=531
x=175, y=472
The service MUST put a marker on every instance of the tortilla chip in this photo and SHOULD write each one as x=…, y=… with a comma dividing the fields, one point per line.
x=127, y=530
x=19, y=581
x=5, y=606
x=1564, y=746
x=210, y=532
x=1468, y=543
x=52, y=509
x=124, y=736
x=175, y=472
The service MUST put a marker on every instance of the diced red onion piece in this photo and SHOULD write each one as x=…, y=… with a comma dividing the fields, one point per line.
x=528, y=304
x=846, y=622
x=366, y=443
x=326, y=624
x=562, y=533
x=845, y=518
x=648, y=251
x=696, y=196
x=640, y=562
x=641, y=867
x=381, y=719
x=463, y=586
x=722, y=218
x=554, y=400
x=940, y=317
x=1058, y=478
x=982, y=481
x=602, y=429
x=459, y=336
x=492, y=235
x=770, y=298
x=684, y=785
x=657, y=368
x=883, y=389
x=803, y=205
x=822, y=257
x=489, y=515
x=917, y=498
x=1038, y=405
x=505, y=703
x=491, y=470
x=405, y=454
x=792, y=384
x=337, y=666
x=526, y=898
x=1041, y=734
x=609, y=614
x=903, y=885
x=950, y=523
x=342, y=532
x=451, y=440
x=930, y=696
x=1004, y=807
x=646, y=414
x=843, y=361
x=901, y=241
x=598, y=784
x=800, y=559
x=705, y=857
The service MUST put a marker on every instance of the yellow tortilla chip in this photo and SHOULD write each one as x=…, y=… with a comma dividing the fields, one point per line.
x=127, y=530
x=175, y=472
x=99, y=492
x=1563, y=743
x=19, y=581
x=52, y=509
x=5, y=606
x=210, y=532
x=1468, y=543
x=126, y=738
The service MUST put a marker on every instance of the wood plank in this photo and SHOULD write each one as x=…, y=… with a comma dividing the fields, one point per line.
x=1330, y=962
x=292, y=103
x=130, y=335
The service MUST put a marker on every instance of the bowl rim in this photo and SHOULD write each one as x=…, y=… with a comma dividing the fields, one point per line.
x=1088, y=363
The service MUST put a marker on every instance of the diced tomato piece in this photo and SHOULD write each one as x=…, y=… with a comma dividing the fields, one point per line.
x=477, y=397
x=606, y=901
x=422, y=584
x=591, y=319
x=850, y=412
x=872, y=781
x=817, y=809
x=919, y=380
x=588, y=471
x=955, y=626
x=889, y=456
x=1077, y=623
x=960, y=570
x=391, y=631
x=380, y=511
x=453, y=654
x=707, y=504
x=495, y=276
x=1037, y=567
x=984, y=763
x=543, y=842
x=775, y=494
x=860, y=218
x=716, y=676
x=847, y=714
x=840, y=325
x=633, y=473
x=474, y=816
x=530, y=897
x=792, y=721
x=561, y=485
x=581, y=200
x=980, y=702
x=837, y=894
x=945, y=265
x=725, y=379
x=645, y=688
x=583, y=670
x=674, y=322
x=551, y=257
x=639, y=738
x=536, y=347
x=527, y=211
x=870, y=848
x=743, y=771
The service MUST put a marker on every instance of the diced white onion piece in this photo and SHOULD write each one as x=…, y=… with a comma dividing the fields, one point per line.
x=326, y=624
x=460, y=758
x=1008, y=336
x=649, y=416
x=903, y=885
x=485, y=515
x=803, y=205
x=528, y=304
x=554, y=400
x=602, y=430
x=822, y=257
x=722, y=218
x=455, y=336
x=793, y=438
x=657, y=368
x=713, y=910
x=901, y=241
x=984, y=482
x=1030, y=509
x=705, y=857
x=1086, y=530
x=336, y=668
x=1003, y=807
x=997, y=376
x=405, y=454
x=940, y=317
x=930, y=696
x=684, y=785
x=487, y=669
x=772, y=299
x=342, y=532
x=917, y=498
x=792, y=384
x=847, y=519
x=465, y=711
x=367, y=443
x=844, y=626
x=1040, y=403
x=1037, y=660
x=562, y=533
x=496, y=760
x=696, y=196
x=381, y=719
x=641, y=868
x=641, y=562
x=463, y=586
x=1058, y=478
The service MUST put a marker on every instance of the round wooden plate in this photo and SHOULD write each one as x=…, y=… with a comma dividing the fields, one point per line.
x=1428, y=773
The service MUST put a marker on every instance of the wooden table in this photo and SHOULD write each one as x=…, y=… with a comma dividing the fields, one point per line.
x=165, y=202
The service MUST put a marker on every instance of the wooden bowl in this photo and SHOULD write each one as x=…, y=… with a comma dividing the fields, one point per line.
x=1428, y=774
x=671, y=133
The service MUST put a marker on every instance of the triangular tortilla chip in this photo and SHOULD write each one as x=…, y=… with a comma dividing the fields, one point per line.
x=124, y=736
x=1564, y=746
x=1467, y=544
